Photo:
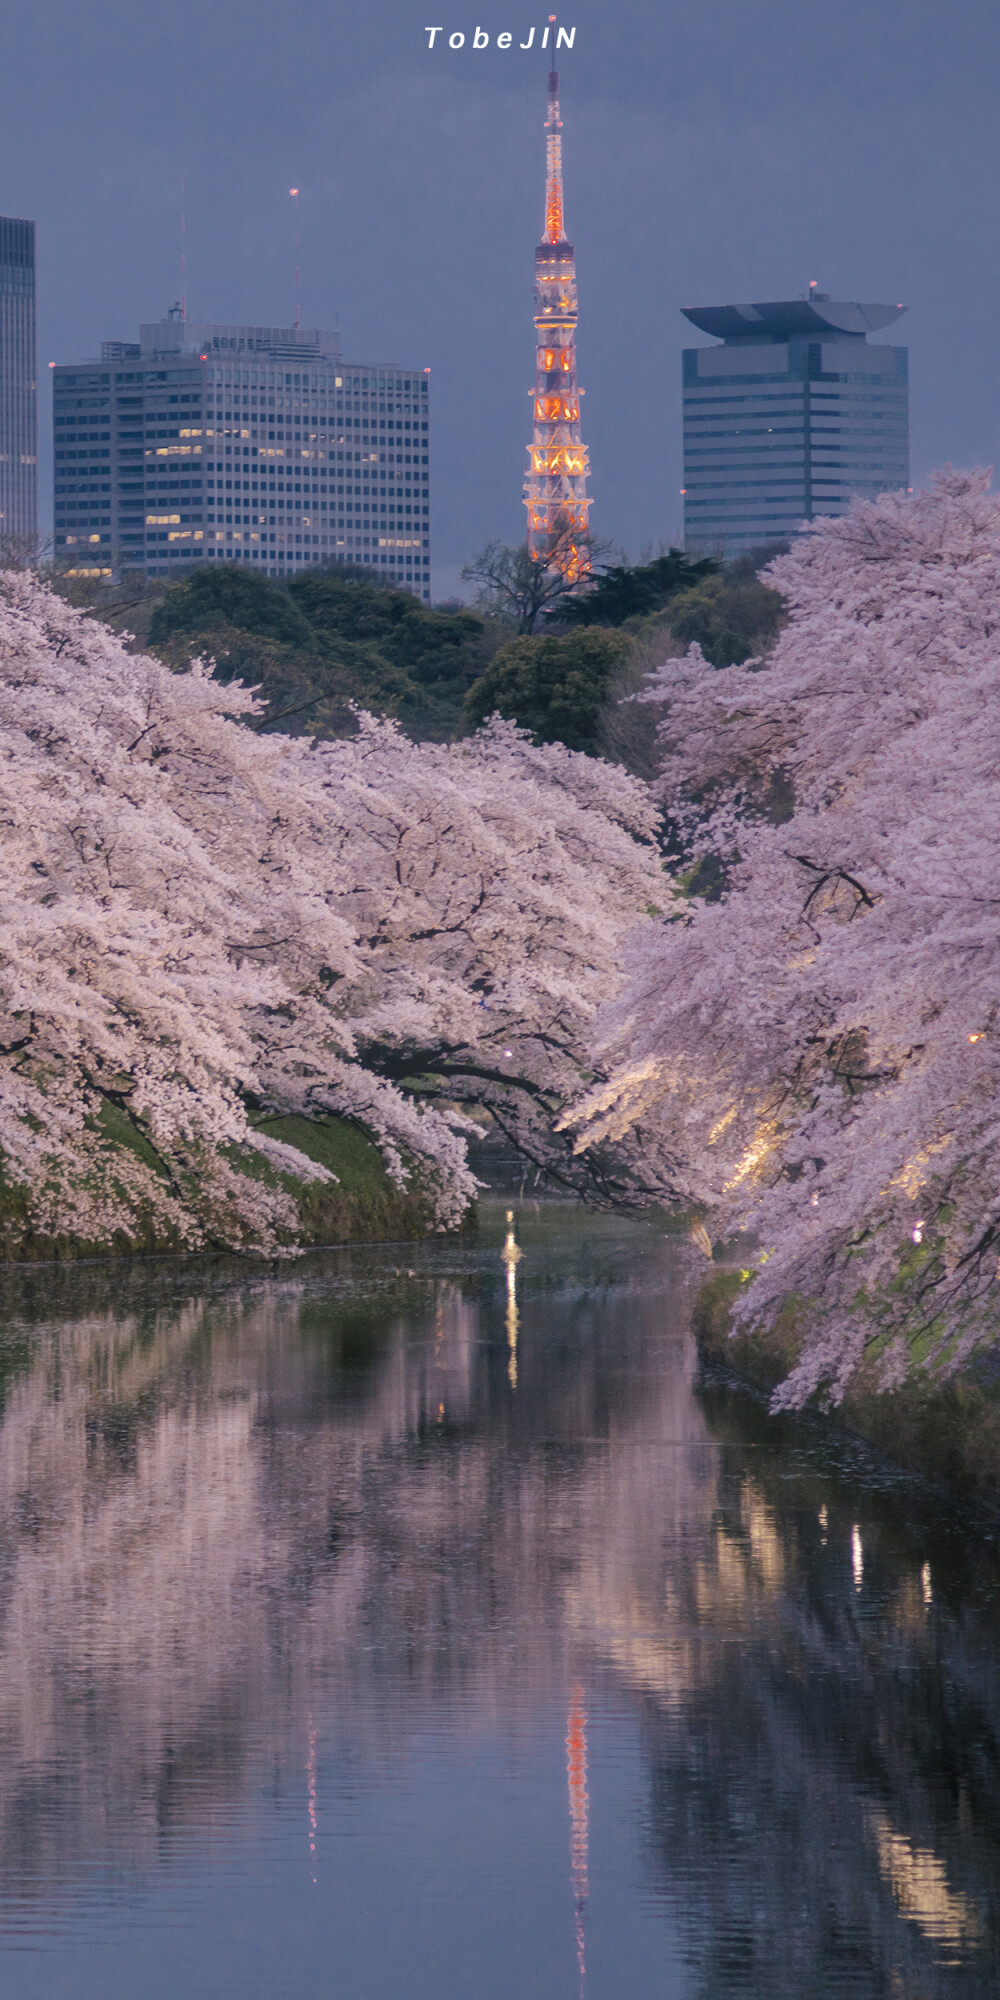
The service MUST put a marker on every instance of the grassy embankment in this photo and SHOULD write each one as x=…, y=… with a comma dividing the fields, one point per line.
x=947, y=1432
x=362, y=1206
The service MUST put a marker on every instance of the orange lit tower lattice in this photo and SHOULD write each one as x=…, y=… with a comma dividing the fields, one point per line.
x=555, y=490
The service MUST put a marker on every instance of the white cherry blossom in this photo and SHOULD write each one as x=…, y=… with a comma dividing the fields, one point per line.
x=816, y=1055
x=201, y=923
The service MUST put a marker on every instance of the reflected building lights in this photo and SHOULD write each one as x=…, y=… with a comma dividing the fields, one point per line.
x=920, y=1886
x=512, y=1254
x=576, y=1761
x=512, y=1324
x=857, y=1557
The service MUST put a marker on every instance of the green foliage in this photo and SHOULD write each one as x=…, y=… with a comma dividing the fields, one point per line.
x=556, y=687
x=635, y=591
x=363, y=1205
x=441, y=652
x=732, y=616
x=225, y=599
x=344, y=1149
x=325, y=640
x=121, y=1131
x=332, y=638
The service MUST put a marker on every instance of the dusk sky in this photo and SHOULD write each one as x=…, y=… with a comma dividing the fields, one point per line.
x=730, y=151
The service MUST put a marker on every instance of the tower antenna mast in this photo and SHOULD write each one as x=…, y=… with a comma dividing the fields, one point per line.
x=295, y=197
x=555, y=491
x=183, y=252
x=554, y=229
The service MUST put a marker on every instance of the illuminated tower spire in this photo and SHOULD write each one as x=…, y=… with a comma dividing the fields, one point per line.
x=555, y=491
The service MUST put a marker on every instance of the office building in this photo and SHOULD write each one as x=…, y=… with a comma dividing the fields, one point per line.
x=18, y=389
x=241, y=444
x=790, y=417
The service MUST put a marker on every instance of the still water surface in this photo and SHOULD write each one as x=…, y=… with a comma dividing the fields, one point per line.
x=411, y=1623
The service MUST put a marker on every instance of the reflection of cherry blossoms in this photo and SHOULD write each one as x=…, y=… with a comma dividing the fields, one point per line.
x=201, y=924
x=229, y=1518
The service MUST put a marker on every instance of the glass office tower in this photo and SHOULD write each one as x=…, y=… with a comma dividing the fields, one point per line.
x=791, y=417
x=205, y=443
x=18, y=389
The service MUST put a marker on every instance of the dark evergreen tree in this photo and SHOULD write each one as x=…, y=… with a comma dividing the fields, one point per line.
x=634, y=590
x=554, y=686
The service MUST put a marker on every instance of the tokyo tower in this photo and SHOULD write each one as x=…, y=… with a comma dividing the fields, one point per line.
x=555, y=491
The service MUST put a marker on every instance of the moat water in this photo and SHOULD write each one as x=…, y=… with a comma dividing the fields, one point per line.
x=415, y=1624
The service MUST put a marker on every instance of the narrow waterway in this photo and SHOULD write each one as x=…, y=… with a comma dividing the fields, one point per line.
x=412, y=1624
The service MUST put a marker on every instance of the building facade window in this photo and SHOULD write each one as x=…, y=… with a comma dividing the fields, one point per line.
x=245, y=453
x=792, y=417
x=18, y=388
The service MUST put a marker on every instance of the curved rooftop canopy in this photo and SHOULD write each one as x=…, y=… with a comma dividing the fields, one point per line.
x=792, y=319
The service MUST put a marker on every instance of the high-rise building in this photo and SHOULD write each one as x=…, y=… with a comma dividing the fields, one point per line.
x=241, y=444
x=791, y=417
x=18, y=387
x=555, y=491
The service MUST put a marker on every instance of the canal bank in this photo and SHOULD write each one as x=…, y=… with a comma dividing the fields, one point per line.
x=359, y=1204
x=948, y=1433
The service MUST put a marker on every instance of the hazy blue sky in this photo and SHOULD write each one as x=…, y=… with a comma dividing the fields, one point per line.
x=730, y=150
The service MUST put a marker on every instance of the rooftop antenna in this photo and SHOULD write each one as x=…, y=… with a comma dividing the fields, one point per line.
x=554, y=226
x=295, y=197
x=183, y=253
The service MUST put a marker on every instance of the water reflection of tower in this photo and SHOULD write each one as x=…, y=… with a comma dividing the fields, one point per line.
x=576, y=1759
x=512, y=1254
x=311, y=1798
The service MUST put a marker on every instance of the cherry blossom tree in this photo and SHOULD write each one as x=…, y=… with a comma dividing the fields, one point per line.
x=203, y=924
x=493, y=884
x=815, y=1052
